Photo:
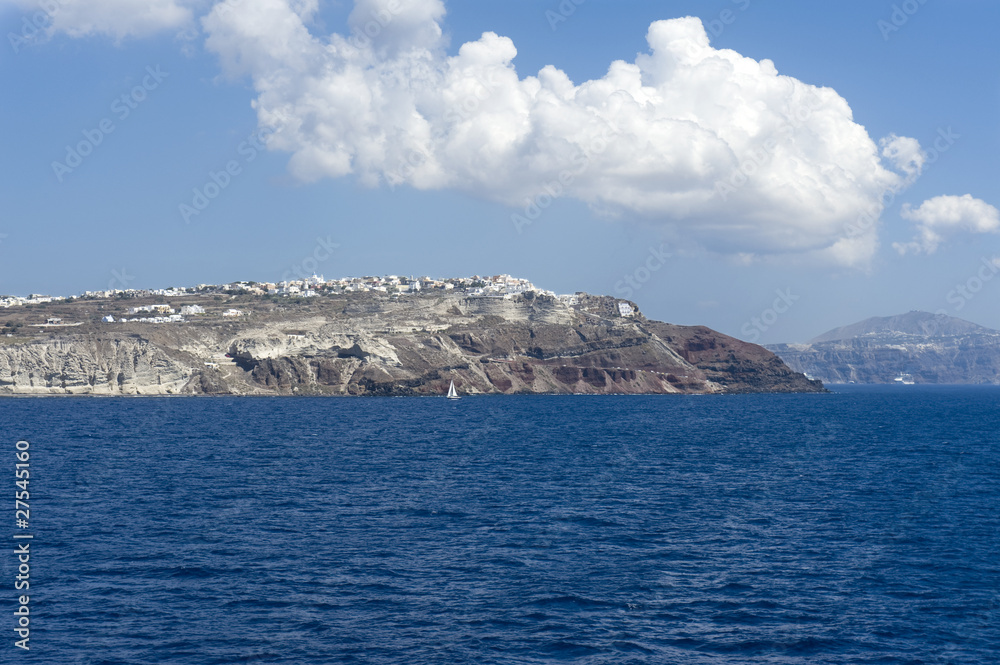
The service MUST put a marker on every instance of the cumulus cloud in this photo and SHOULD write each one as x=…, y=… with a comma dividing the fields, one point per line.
x=116, y=18
x=719, y=149
x=942, y=216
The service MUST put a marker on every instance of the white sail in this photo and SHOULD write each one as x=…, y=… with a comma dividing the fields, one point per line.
x=451, y=391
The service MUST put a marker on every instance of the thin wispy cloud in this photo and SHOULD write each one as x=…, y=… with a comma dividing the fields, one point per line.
x=116, y=18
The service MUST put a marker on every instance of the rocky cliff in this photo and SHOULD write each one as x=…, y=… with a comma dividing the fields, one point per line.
x=374, y=344
x=924, y=347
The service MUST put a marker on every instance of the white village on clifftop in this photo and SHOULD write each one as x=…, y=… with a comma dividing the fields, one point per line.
x=496, y=286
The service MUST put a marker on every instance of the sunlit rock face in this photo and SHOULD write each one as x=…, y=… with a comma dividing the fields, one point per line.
x=372, y=344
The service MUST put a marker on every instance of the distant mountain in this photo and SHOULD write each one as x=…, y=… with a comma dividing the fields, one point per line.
x=922, y=324
x=924, y=347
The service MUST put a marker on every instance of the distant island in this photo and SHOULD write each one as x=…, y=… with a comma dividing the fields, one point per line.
x=916, y=347
x=367, y=336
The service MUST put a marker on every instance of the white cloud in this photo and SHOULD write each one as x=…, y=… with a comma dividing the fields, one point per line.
x=396, y=26
x=946, y=215
x=719, y=149
x=905, y=155
x=116, y=18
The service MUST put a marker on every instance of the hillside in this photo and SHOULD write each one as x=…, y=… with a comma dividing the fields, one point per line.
x=924, y=347
x=911, y=324
x=374, y=344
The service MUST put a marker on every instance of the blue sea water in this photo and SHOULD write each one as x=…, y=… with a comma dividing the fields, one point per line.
x=861, y=526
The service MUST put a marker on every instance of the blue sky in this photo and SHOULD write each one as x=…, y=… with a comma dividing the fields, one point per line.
x=638, y=219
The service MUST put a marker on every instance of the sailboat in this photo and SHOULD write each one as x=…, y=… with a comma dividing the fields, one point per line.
x=451, y=392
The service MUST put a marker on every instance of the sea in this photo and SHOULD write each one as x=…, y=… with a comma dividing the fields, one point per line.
x=859, y=526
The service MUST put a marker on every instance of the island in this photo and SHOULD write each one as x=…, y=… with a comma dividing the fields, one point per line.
x=392, y=336
x=912, y=348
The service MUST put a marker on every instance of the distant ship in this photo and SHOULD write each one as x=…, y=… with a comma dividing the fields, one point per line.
x=905, y=379
x=451, y=392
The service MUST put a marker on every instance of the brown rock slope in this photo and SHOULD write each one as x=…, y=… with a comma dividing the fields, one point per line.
x=536, y=346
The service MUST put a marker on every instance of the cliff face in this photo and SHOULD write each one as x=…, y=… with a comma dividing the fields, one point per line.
x=971, y=359
x=363, y=344
x=927, y=347
x=90, y=365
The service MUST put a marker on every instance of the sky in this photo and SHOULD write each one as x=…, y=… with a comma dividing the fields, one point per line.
x=768, y=169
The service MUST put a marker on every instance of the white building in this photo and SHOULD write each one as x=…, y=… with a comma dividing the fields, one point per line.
x=163, y=309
